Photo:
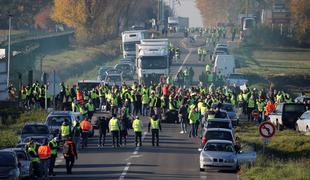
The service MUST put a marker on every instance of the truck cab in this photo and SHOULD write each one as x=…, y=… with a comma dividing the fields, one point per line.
x=129, y=41
x=286, y=114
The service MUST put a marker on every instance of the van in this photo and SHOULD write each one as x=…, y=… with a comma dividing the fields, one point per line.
x=224, y=65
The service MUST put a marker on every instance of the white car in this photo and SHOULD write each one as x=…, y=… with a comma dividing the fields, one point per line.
x=221, y=155
x=303, y=123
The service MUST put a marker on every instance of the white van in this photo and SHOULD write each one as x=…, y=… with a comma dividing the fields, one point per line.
x=224, y=65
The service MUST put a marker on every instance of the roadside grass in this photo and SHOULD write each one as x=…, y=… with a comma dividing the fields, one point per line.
x=81, y=62
x=8, y=133
x=286, y=68
x=286, y=157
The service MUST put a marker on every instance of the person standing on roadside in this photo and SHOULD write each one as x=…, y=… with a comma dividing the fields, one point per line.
x=114, y=127
x=85, y=127
x=183, y=118
x=155, y=126
x=70, y=154
x=137, y=128
x=76, y=134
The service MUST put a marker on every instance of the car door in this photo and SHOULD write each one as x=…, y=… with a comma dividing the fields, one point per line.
x=246, y=157
x=24, y=161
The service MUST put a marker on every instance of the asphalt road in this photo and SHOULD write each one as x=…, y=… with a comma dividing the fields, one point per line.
x=177, y=157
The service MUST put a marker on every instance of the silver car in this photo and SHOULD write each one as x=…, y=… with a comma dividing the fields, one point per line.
x=221, y=155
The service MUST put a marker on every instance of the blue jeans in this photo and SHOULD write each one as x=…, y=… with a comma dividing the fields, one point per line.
x=144, y=109
x=193, y=130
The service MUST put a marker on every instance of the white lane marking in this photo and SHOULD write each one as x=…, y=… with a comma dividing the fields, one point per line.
x=134, y=155
x=124, y=173
x=185, y=60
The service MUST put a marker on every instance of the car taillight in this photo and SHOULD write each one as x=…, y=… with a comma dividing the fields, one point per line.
x=204, y=140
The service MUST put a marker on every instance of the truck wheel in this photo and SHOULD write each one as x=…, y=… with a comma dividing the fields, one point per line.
x=201, y=169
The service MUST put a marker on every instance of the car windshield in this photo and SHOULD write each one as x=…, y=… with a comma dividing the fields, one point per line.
x=35, y=129
x=218, y=124
x=130, y=46
x=7, y=159
x=223, y=147
x=38, y=140
x=57, y=120
x=228, y=107
x=123, y=67
x=221, y=135
x=154, y=62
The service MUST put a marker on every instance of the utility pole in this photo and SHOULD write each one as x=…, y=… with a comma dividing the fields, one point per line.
x=9, y=51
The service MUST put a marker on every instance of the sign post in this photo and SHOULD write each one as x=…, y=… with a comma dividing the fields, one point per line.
x=266, y=131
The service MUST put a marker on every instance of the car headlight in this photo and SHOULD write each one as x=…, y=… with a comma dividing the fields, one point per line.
x=206, y=159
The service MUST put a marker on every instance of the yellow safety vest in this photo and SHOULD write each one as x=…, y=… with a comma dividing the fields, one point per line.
x=154, y=124
x=65, y=130
x=113, y=125
x=137, y=126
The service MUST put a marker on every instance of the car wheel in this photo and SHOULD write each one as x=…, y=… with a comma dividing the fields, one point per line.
x=201, y=169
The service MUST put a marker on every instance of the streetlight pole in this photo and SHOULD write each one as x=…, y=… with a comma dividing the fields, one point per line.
x=9, y=51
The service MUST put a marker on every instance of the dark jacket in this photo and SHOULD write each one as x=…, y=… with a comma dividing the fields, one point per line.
x=103, y=124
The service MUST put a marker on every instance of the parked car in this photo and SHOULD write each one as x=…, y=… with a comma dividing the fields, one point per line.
x=114, y=77
x=9, y=165
x=303, y=123
x=236, y=80
x=221, y=155
x=217, y=133
x=218, y=123
x=55, y=119
x=126, y=69
x=230, y=110
x=302, y=99
x=35, y=129
x=286, y=114
x=24, y=160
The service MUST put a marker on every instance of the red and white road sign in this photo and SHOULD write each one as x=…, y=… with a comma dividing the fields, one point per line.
x=267, y=129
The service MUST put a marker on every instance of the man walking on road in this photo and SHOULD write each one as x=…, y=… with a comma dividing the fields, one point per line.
x=76, y=134
x=86, y=127
x=155, y=126
x=137, y=128
x=103, y=126
x=114, y=127
x=44, y=153
x=54, y=148
x=70, y=154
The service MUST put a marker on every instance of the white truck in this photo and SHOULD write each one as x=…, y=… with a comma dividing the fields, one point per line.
x=152, y=60
x=178, y=23
x=224, y=65
x=129, y=41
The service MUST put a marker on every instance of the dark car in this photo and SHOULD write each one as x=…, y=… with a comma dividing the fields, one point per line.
x=126, y=69
x=9, y=165
x=35, y=129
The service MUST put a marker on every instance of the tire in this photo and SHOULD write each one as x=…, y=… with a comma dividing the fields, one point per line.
x=201, y=169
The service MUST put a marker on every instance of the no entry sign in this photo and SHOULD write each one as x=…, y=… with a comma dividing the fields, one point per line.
x=267, y=129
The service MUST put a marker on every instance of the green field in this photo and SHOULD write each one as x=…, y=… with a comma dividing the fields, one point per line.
x=81, y=63
x=286, y=157
x=285, y=68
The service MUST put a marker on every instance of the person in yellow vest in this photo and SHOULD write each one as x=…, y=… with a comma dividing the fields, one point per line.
x=137, y=128
x=193, y=117
x=65, y=130
x=155, y=126
x=32, y=149
x=251, y=107
x=114, y=127
x=44, y=153
x=53, y=144
x=145, y=102
x=260, y=104
x=204, y=54
x=90, y=107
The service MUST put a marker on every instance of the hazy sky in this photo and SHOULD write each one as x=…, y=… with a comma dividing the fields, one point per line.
x=188, y=9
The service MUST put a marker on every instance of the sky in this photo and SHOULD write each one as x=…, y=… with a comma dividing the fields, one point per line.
x=188, y=9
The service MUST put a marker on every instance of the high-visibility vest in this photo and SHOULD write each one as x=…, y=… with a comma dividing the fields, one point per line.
x=251, y=103
x=145, y=98
x=154, y=124
x=90, y=107
x=193, y=117
x=44, y=152
x=240, y=98
x=85, y=125
x=260, y=106
x=53, y=145
x=203, y=110
x=113, y=125
x=65, y=130
x=79, y=96
x=137, y=126
x=35, y=157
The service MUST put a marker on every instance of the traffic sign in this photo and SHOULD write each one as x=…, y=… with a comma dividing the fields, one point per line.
x=267, y=129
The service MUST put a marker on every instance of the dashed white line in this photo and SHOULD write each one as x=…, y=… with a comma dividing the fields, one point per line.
x=134, y=155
